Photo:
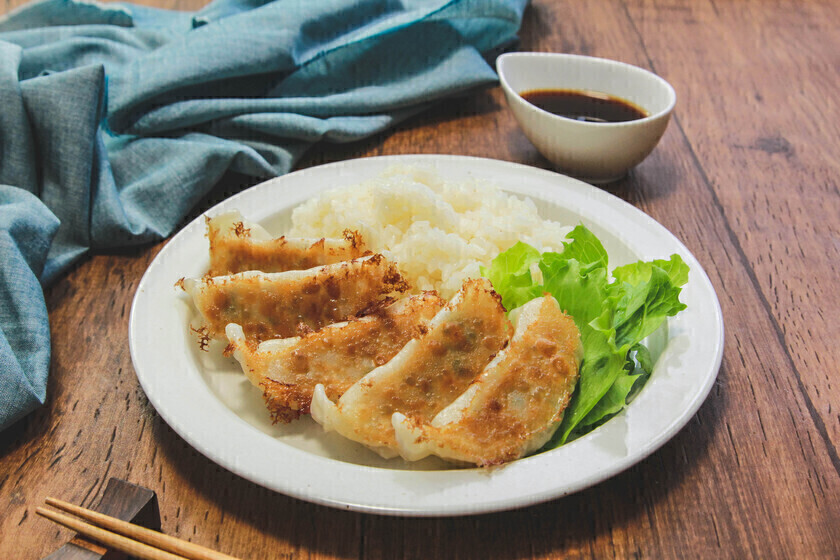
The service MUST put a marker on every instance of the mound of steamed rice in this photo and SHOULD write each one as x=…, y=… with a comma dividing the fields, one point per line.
x=438, y=232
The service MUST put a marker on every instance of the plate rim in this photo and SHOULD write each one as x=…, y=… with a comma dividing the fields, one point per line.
x=186, y=429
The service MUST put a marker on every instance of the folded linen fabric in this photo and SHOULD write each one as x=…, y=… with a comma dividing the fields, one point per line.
x=116, y=119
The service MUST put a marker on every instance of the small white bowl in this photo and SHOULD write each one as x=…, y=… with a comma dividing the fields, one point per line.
x=594, y=152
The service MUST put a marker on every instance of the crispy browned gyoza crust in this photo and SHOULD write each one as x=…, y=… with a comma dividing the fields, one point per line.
x=336, y=356
x=285, y=304
x=426, y=375
x=514, y=407
x=237, y=245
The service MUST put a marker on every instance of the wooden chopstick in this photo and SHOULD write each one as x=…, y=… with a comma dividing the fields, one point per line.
x=128, y=537
x=109, y=539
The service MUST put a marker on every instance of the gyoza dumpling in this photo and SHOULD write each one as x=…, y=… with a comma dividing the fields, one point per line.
x=336, y=356
x=283, y=304
x=237, y=245
x=425, y=376
x=515, y=405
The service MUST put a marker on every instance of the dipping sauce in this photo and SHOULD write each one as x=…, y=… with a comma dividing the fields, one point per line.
x=584, y=105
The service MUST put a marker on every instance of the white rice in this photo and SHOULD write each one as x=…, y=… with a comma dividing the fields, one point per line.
x=438, y=232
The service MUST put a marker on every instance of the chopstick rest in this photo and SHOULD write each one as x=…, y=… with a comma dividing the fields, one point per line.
x=127, y=537
x=123, y=500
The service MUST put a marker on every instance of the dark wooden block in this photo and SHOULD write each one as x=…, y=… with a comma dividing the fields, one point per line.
x=122, y=500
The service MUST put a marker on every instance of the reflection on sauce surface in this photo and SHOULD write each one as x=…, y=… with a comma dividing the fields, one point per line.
x=584, y=105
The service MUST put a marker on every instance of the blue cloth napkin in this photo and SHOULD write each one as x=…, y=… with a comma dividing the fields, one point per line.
x=116, y=119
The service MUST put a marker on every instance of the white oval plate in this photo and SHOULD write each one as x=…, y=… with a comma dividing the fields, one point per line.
x=207, y=401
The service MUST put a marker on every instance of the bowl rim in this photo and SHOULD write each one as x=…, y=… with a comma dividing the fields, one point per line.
x=671, y=92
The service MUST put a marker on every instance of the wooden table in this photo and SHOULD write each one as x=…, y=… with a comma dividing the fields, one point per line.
x=746, y=176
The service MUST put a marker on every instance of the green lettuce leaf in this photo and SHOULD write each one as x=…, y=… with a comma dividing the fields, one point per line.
x=613, y=317
x=611, y=404
x=581, y=294
x=510, y=274
x=577, y=277
x=646, y=298
x=585, y=248
x=641, y=271
x=636, y=372
x=602, y=365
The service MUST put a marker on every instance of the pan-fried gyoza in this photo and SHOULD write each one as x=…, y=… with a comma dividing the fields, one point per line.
x=325, y=327
x=284, y=304
x=425, y=376
x=288, y=369
x=237, y=245
x=515, y=405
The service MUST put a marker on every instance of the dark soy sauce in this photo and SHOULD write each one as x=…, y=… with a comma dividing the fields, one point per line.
x=584, y=105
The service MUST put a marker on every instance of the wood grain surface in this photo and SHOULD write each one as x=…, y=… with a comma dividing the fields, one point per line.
x=746, y=176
